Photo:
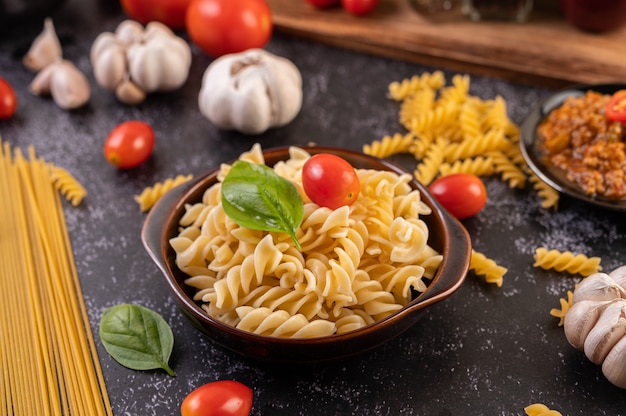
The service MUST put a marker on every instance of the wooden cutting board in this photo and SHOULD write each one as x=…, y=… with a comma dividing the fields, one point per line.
x=546, y=50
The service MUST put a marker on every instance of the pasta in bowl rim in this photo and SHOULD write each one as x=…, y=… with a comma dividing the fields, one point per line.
x=446, y=234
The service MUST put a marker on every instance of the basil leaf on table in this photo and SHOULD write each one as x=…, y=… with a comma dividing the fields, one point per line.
x=256, y=197
x=137, y=337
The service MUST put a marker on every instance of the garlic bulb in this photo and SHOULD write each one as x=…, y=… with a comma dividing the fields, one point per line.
x=44, y=50
x=67, y=84
x=596, y=322
x=135, y=61
x=251, y=91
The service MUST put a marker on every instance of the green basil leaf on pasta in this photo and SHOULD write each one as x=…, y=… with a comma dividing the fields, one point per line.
x=137, y=337
x=256, y=197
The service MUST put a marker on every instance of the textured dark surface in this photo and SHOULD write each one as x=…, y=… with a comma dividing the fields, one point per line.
x=485, y=350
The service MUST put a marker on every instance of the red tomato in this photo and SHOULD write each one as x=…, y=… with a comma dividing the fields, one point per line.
x=219, y=398
x=322, y=4
x=168, y=12
x=330, y=181
x=8, y=100
x=462, y=194
x=129, y=144
x=220, y=27
x=616, y=107
x=359, y=7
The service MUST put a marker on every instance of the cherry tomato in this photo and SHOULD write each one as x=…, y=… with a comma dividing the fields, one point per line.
x=8, y=100
x=462, y=194
x=168, y=12
x=220, y=27
x=129, y=144
x=322, y=4
x=219, y=398
x=359, y=7
x=616, y=107
x=330, y=181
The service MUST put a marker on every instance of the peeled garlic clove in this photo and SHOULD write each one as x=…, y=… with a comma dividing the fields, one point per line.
x=614, y=365
x=44, y=50
x=598, y=286
x=580, y=320
x=129, y=93
x=608, y=330
x=69, y=87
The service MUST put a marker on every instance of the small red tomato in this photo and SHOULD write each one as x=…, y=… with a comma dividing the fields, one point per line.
x=462, y=194
x=616, y=107
x=220, y=27
x=359, y=7
x=168, y=12
x=219, y=398
x=330, y=181
x=323, y=4
x=8, y=100
x=129, y=144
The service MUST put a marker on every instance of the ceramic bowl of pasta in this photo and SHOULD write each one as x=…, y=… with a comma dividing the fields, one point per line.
x=344, y=282
x=574, y=143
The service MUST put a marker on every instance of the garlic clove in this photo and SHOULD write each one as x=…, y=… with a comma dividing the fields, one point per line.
x=607, y=331
x=129, y=93
x=614, y=365
x=129, y=32
x=580, y=320
x=69, y=86
x=108, y=60
x=598, y=286
x=44, y=50
x=40, y=85
x=619, y=275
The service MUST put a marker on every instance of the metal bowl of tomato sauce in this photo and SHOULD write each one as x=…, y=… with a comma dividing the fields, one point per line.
x=446, y=235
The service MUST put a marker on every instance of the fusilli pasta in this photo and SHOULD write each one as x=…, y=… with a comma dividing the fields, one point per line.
x=67, y=185
x=538, y=409
x=358, y=264
x=482, y=265
x=150, y=195
x=566, y=261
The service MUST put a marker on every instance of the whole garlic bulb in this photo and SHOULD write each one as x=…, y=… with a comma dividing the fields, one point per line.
x=596, y=322
x=251, y=91
x=135, y=61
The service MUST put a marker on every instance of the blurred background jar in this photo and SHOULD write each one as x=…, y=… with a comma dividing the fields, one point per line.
x=595, y=15
x=510, y=10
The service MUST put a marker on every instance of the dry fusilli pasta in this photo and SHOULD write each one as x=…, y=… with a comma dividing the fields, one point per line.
x=566, y=261
x=482, y=265
x=67, y=184
x=150, y=195
x=565, y=305
x=538, y=409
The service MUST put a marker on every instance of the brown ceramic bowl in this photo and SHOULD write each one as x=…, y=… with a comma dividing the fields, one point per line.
x=447, y=236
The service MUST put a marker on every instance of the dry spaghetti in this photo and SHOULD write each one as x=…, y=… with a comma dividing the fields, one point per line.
x=48, y=358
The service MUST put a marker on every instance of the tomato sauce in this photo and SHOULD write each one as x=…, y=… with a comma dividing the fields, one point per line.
x=579, y=139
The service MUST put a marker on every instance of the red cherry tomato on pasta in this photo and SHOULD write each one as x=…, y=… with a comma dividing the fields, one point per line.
x=462, y=194
x=129, y=144
x=8, y=100
x=322, y=4
x=169, y=12
x=330, y=181
x=219, y=398
x=221, y=27
x=359, y=7
x=616, y=107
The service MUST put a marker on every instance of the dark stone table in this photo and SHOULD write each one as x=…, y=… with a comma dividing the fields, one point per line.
x=483, y=351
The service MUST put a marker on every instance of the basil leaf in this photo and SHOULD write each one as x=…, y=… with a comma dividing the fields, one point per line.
x=256, y=197
x=137, y=337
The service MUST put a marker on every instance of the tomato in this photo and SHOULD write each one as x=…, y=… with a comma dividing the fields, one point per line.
x=359, y=7
x=322, y=4
x=129, y=144
x=462, y=194
x=8, y=100
x=220, y=27
x=330, y=181
x=219, y=398
x=168, y=12
x=616, y=107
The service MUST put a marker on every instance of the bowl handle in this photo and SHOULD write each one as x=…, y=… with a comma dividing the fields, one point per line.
x=152, y=230
x=458, y=249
